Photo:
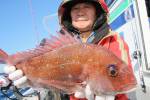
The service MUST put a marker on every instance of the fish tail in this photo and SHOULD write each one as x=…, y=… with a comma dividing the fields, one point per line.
x=3, y=57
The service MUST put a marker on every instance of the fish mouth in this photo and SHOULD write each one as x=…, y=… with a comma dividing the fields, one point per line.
x=127, y=88
x=122, y=90
x=130, y=90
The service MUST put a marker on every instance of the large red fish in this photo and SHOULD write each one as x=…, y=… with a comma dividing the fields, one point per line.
x=66, y=64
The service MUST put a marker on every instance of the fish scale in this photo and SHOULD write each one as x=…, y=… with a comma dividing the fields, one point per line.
x=69, y=64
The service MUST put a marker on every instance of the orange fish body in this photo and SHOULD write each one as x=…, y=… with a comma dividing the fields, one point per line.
x=71, y=66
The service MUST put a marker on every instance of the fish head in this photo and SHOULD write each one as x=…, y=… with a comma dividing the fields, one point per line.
x=112, y=76
x=116, y=78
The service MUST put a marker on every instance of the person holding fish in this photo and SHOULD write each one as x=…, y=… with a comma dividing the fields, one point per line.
x=86, y=20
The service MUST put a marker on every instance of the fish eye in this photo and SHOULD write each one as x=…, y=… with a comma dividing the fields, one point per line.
x=112, y=70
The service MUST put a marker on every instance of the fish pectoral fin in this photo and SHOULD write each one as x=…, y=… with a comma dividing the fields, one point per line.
x=67, y=87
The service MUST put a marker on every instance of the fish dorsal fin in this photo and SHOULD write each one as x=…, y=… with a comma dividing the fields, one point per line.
x=20, y=56
x=61, y=40
x=50, y=44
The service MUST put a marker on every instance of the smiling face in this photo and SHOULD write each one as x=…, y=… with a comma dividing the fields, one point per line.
x=83, y=16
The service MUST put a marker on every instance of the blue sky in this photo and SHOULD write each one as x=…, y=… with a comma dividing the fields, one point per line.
x=18, y=19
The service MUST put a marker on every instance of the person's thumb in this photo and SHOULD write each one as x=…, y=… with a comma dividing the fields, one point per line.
x=79, y=94
x=89, y=93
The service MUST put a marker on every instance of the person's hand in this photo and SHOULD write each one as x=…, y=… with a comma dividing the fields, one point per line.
x=89, y=95
x=16, y=76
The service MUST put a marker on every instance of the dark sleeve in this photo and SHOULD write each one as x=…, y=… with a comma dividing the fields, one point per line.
x=148, y=7
x=43, y=41
x=64, y=96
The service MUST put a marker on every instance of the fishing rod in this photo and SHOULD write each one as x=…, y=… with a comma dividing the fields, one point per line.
x=137, y=55
x=34, y=22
